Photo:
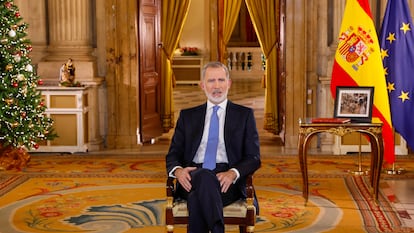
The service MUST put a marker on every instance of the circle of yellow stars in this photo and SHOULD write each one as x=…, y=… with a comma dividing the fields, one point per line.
x=384, y=53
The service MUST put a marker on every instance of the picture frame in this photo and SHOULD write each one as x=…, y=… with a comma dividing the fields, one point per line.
x=354, y=102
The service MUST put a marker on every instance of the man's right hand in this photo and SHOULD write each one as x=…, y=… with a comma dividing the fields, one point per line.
x=184, y=178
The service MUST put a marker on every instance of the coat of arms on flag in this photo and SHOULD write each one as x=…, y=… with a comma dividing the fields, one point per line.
x=355, y=46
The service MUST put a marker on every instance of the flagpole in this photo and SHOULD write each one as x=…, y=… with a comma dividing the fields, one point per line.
x=393, y=171
x=359, y=172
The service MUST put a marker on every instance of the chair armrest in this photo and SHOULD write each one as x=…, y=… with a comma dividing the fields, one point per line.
x=249, y=186
x=170, y=188
x=250, y=192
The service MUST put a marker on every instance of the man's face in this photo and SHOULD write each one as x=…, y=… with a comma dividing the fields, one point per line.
x=215, y=85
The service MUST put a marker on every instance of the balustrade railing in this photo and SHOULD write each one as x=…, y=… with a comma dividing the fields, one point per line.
x=246, y=61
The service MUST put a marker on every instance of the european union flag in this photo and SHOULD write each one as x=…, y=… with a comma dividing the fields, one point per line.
x=397, y=52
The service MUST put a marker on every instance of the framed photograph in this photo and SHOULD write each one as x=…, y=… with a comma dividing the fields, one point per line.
x=354, y=103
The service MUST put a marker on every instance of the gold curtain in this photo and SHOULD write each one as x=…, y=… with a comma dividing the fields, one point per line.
x=228, y=18
x=174, y=14
x=265, y=21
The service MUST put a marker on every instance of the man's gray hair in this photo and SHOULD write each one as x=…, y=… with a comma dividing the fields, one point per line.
x=214, y=64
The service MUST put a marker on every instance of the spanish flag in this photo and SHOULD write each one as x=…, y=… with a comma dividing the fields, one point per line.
x=358, y=63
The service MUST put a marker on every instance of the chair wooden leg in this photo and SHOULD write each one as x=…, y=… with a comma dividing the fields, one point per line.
x=170, y=228
x=250, y=229
x=242, y=229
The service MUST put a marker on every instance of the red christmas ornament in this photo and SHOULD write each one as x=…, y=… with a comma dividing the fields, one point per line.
x=15, y=84
x=17, y=14
x=29, y=48
x=8, y=5
x=40, y=82
x=23, y=114
x=36, y=146
x=42, y=104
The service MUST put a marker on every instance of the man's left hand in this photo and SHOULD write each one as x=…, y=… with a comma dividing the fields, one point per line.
x=226, y=179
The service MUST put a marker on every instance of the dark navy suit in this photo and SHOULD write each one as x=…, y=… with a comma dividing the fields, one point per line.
x=243, y=152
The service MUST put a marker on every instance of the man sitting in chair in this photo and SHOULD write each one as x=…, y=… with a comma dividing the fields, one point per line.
x=214, y=147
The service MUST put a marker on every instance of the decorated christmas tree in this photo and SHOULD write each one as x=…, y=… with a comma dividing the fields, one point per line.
x=23, y=123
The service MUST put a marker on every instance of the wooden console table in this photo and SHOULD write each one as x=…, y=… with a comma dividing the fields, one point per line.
x=69, y=109
x=187, y=69
x=372, y=130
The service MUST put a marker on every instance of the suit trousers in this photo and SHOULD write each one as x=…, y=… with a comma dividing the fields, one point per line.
x=205, y=201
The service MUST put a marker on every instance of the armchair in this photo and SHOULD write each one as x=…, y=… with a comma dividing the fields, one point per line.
x=241, y=213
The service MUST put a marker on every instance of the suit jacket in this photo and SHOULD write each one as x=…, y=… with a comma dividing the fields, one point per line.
x=240, y=136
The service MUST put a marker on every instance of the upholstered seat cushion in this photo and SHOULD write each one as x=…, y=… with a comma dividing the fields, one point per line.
x=236, y=209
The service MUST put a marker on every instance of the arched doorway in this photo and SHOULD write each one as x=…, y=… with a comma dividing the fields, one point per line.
x=212, y=56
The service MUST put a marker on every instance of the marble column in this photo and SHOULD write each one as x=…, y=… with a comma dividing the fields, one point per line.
x=70, y=30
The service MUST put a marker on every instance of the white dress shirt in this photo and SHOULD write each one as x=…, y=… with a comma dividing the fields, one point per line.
x=221, y=148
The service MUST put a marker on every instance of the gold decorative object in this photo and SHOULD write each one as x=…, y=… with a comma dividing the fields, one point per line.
x=9, y=101
x=67, y=74
x=9, y=67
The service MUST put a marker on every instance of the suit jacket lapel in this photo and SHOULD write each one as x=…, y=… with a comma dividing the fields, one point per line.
x=197, y=123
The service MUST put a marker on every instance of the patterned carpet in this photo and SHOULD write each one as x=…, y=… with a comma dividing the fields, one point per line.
x=126, y=193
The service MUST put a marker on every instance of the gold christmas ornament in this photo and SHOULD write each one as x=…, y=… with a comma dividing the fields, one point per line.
x=4, y=41
x=15, y=124
x=9, y=67
x=9, y=101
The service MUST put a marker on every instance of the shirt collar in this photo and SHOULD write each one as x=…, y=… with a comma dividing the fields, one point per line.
x=222, y=104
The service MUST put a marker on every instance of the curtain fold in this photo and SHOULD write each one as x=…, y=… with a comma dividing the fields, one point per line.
x=228, y=18
x=265, y=20
x=172, y=11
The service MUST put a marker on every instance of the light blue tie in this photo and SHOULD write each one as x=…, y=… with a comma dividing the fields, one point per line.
x=212, y=142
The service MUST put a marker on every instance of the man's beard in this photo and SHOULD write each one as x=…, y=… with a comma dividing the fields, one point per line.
x=217, y=99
